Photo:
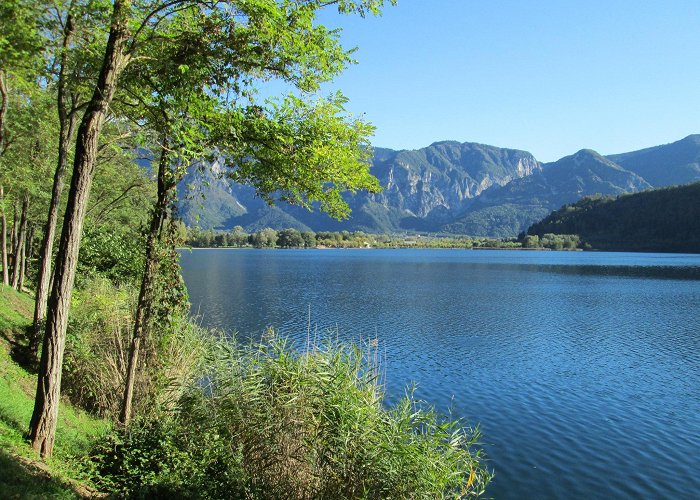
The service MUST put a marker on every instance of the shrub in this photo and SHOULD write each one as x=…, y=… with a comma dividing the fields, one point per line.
x=111, y=252
x=270, y=422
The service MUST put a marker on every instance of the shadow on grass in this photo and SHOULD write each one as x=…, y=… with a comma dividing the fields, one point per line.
x=19, y=481
x=12, y=422
x=20, y=353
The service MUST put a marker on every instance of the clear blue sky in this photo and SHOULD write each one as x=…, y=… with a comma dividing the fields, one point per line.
x=547, y=76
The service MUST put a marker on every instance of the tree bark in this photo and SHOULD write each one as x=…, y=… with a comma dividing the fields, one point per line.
x=24, y=239
x=5, y=271
x=146, y=294
x=30, y=243
x=67, y=124
x=13, y=241
x=19, y=248
x=3, y=110
x=28, y=248
x=42, y=428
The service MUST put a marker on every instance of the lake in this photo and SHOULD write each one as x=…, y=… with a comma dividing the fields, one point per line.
x=582, y=368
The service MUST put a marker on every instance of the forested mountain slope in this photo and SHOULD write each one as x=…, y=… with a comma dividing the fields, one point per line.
x=660, y=220
x=508, y=210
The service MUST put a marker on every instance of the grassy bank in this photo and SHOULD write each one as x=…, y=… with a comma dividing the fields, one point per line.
x=22, y=475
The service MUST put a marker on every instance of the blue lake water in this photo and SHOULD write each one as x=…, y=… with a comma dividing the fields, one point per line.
x=583, y=369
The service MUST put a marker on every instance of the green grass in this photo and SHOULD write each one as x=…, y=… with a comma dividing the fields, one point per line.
x=76, y=430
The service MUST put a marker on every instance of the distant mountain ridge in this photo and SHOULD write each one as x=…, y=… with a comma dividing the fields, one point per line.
x=453, y=187
x=671, y=164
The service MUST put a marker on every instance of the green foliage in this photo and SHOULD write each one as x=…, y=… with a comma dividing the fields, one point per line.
x=551, y=241
x=302, y=152
x=660, y=220
x=309, y=238
x=269, y=422
x=267, y=238
x=110, y=252
x=20, y=40
x=291, y=238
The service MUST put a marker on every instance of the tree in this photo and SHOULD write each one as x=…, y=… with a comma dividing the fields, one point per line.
x=20, y=45
x=42, y=428
x=74, y=24
x=289, y=238
x=309, y=238
x=286, y=151
x=238, y=237
x=301, y=149
x=24, y=167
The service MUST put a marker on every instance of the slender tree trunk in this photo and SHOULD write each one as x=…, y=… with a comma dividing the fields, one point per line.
x=19, y=248
x=3, y=110
x=67, y=124
x=23, y=263
x=13, y=242
x=42, y=428
x=5, y=272
x=27, y=249
x=143, y=309
x=30, y=243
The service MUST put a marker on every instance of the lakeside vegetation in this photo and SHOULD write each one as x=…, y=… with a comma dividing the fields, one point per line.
x=270, y=421
x=292, y=238
x=108, y=387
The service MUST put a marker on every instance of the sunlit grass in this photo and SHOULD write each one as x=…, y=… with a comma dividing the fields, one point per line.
x=76, y=429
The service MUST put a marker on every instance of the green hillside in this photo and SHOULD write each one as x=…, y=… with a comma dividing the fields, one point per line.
x=506, y=211
x=660, y=220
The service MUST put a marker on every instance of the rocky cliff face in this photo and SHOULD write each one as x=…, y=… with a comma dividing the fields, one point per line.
x=446, y=176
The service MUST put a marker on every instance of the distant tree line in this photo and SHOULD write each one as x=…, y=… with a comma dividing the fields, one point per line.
x=552, y=241
x=293, y=238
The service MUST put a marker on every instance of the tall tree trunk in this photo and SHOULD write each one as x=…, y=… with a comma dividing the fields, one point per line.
x=3, y=110
x=23, y=254
x=30, y=243
x=42, y=428
x=19, y=248
x=5, y=271
x=146, y=294
x=22, y=262
x=27, y=249
x=13, y=242
x=67, y=124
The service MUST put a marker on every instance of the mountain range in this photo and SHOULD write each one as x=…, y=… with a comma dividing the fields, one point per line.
x=450, y=187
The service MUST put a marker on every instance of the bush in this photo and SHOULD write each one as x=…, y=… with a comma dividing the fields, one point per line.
x=269, y=422
x=112, y=253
